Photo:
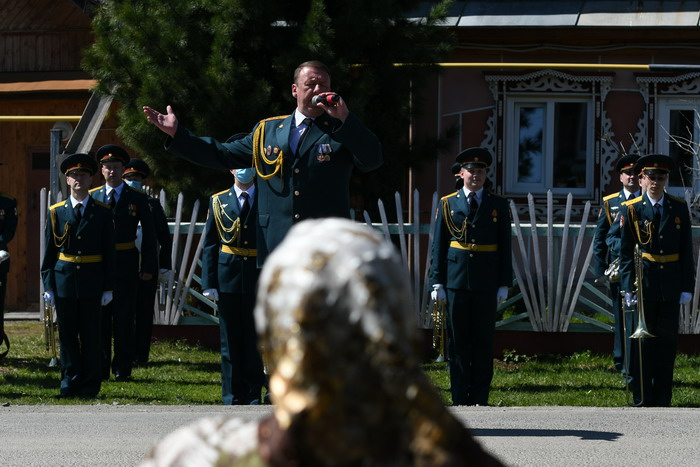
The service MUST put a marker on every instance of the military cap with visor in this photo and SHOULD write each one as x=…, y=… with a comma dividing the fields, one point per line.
x=78, y=161
x=654, y=164
x=626, y=162
x=112, y=153
x=474, y=158
x=137, y=166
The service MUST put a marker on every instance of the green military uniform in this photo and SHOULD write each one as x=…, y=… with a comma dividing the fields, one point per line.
x=471, y=257
x=229, y=266
x=131, y=208
x=311, y=184
x=145, y=302
x=606, y=249
x=665, y=243
x=8, y=226
x=78, y=266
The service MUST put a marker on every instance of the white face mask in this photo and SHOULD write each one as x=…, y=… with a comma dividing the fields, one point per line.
x=245, y=175
x=134, y=184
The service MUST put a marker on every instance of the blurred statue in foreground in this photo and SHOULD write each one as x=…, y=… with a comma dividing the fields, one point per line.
x=336, y=325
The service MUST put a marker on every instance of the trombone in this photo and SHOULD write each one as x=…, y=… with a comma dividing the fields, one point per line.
x=50, y=330
x=439, y=324
x=641, y=332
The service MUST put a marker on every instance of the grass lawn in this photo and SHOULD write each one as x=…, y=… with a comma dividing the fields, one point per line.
x=180, y=373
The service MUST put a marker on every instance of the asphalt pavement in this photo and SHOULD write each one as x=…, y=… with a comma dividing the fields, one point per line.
x=121, y=435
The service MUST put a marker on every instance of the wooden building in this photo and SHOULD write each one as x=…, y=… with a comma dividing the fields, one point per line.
x=561, y=119
x=40, y=83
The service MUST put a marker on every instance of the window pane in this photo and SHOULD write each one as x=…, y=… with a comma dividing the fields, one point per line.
x=682, y=128
x=530, y=144
x=570, y=149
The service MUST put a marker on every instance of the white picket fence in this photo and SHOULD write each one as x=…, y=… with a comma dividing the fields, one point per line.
x=550, y=264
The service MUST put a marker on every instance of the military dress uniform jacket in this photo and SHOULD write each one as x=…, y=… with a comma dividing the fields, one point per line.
x=314, y=183
x=472, y=255
x=667, y=253
x=603, y=238
x=132, y=208
x=165, y=240
x=79, y=258
x=8, y=225
x=228, y=256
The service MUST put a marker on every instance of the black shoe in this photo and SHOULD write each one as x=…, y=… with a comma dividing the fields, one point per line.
x=121, y=377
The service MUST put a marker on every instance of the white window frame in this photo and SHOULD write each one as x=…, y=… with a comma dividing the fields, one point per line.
x=663, y=123
x=512, y=126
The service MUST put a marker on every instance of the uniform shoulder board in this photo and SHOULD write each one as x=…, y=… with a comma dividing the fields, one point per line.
x=611, y=196
x=677, y=198
x=100, y=203
x=60, y=203
x=279, y=117
x=95, y=189
x=449, y=196
x=220, y=193
x=633, y=201
x=3, y=195
x=497, y=195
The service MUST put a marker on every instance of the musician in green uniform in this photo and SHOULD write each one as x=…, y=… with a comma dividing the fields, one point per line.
x=130, y=207
x=303, y=161
x=135, y=172
x=230, y=276
x=471, y=270
x=8, y=226
x=658, y=225
x=606, y=250
x=78, y=275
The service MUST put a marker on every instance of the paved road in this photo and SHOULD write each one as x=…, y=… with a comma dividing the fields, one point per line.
x=106, y=435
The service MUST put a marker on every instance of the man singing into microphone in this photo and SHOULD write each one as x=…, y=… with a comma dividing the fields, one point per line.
x=303, y=161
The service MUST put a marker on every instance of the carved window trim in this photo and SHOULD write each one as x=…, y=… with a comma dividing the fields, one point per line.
x=549, y=84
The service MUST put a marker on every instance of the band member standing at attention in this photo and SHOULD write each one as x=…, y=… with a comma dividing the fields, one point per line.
x=658, y=224
x=130, y=207
x=606, y=248
x=471, y=269
x=78, y=275
x=135, y=173
x=8, y=226
x=230, y=276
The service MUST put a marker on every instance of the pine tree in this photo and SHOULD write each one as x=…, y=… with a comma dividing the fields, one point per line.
x=225, y=64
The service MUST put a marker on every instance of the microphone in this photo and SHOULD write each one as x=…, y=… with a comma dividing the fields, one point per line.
x=325, y=100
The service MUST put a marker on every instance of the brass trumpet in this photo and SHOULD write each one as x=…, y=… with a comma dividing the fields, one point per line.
x=642, y=331
x=50, y=330
x=439, y=321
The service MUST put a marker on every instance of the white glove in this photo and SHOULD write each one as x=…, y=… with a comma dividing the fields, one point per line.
x=685, y=298
x=211, y=294
x=438, y=294
x=502, y=294
x=4, y=256
x=106, y=298
x=630, y=299
x=164, y=275
x=49, y=298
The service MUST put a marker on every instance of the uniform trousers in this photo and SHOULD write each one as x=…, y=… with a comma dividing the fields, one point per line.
x=652, y=381
x=3, y=289
x=618, y=329
x=118, y=321
x=472, y=319
x=242, y=374
x=143, y=320
x=79, y=334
